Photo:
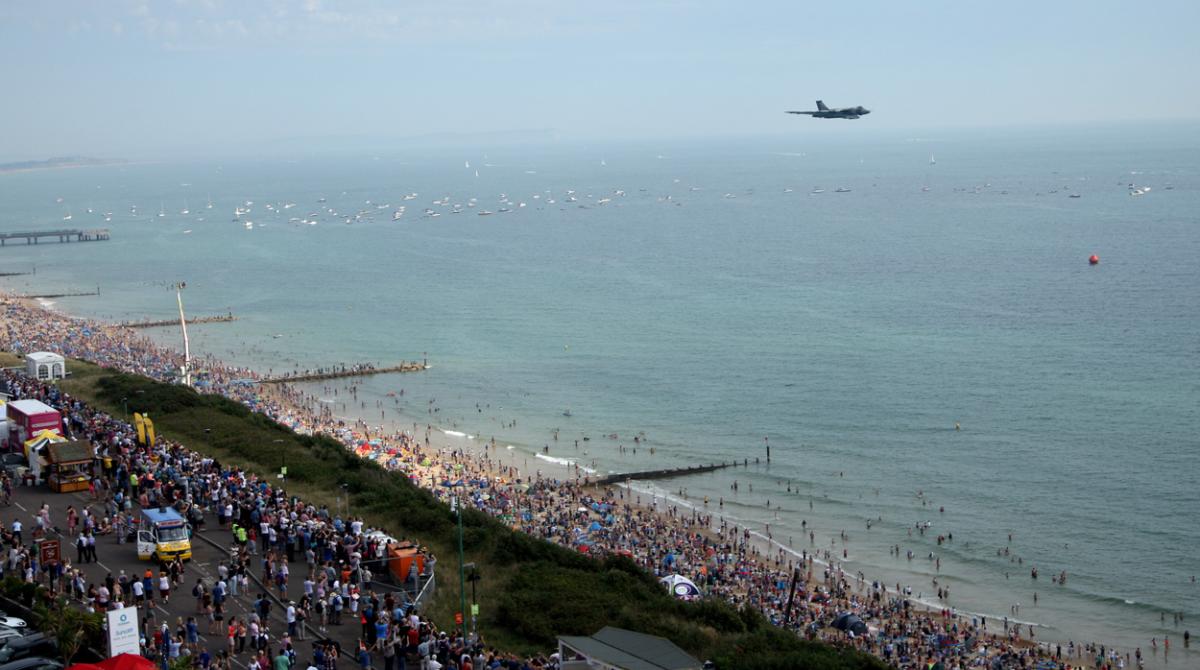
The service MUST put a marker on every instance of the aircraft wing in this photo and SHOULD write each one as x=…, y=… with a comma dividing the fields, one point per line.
x=809, y=113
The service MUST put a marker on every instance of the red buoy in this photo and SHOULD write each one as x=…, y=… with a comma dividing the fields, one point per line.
x=1093, y=260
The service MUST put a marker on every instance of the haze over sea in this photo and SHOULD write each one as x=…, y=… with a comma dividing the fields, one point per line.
x=709, y=307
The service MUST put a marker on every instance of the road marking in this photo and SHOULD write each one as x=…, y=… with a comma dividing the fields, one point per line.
x=20, y=505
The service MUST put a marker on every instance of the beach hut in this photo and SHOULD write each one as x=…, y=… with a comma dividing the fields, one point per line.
x=45, y=365
x=623, y=650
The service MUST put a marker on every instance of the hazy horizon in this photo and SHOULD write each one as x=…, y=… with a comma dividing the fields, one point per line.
x=137, y=79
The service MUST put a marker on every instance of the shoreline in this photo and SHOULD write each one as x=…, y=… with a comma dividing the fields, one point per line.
x=292, y=401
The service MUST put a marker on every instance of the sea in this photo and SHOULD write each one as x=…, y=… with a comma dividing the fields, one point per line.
x=909, y=322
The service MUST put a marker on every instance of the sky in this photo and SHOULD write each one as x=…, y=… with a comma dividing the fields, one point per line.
x=134, y=78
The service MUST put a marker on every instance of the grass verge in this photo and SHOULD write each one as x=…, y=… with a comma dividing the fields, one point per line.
x=531, y=590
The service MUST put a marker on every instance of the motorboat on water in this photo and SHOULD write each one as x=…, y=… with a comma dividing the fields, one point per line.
x=842, y=190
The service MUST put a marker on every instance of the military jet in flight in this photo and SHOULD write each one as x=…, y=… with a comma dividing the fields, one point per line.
x=824, y=112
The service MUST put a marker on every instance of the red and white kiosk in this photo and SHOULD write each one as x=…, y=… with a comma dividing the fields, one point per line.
x=27, y=418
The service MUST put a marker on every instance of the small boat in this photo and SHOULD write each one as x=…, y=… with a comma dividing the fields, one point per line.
x=162, y=210
x=931, y=160
x=483, y=212
x=1075, y=195
x=818, y=190
x=209, y=205
x=567, y=413
x=842, y=189
x=68, y=217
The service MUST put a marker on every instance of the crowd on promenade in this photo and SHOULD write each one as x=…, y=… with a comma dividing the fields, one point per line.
x=266, y=529
x=725, y=561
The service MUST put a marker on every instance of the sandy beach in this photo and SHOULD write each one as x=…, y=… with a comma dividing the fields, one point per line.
x=552, y=500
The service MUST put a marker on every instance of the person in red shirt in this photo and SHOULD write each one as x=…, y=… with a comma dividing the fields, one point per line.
x=414, y=639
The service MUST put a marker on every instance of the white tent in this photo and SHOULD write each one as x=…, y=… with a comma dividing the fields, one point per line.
x=681, y=587
x=45, y=365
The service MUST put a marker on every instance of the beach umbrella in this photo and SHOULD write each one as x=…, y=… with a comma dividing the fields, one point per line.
x=126, y=662
x=680, y=586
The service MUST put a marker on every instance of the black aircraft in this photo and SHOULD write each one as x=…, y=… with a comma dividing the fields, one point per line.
x=824, y=112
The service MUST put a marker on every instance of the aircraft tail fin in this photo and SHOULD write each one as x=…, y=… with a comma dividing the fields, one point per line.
x=821, y=106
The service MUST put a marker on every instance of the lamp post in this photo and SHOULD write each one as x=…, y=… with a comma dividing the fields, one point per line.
x=455, y=506
x=187, y=351
x=474, y=578
x=282, y=463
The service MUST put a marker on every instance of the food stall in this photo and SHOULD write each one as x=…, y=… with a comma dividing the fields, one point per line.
x=401, y=559
x=69, y=466
x=27, y=418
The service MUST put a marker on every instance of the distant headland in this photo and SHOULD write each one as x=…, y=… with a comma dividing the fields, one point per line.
x=58, y=163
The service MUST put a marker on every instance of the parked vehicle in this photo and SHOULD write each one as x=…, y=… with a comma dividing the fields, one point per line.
x=33, y=663
x=17, y=648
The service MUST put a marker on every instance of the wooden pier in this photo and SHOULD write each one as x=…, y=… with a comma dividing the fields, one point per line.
x=339, y=373
x=659, y=474
x=220, y=318
x=64, y=235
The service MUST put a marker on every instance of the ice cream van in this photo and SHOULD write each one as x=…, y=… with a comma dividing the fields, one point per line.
x=163, y=535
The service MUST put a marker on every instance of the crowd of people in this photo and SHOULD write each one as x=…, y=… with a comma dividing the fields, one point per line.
x=725, y=561
x=266, y=529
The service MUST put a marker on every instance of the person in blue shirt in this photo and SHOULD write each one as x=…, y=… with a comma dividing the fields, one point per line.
x=364, y=656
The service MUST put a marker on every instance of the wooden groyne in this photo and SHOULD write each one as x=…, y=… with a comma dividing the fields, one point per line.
x=339, y=373
x=63, y=235
x=659, y=474
x=220, y=318
x=60, y=295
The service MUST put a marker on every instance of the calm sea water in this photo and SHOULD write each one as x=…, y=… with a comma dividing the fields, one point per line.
x=708, y=307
